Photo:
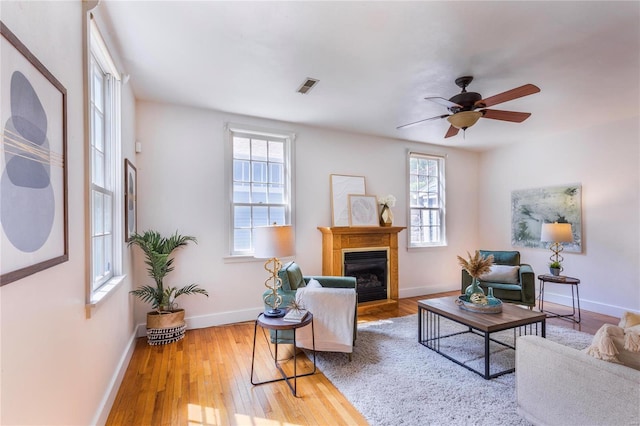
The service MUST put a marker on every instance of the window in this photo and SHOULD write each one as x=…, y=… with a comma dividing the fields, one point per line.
x=426, y=200
x=260, y=185
x=105, y=168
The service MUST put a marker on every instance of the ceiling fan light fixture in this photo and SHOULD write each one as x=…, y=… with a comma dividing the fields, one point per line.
x=464, y=119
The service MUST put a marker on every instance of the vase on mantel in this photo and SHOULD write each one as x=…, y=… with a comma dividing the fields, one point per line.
x=386, y=216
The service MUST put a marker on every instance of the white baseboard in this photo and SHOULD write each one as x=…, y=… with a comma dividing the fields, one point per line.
x=104, y=408
x=588, y=305
x=212, y=320
x=423, y=291
x=230, y=317
x=222, y=318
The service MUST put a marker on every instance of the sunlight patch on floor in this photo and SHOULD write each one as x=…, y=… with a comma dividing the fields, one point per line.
x=203, y=416
x=365, y=324
x=209, y=416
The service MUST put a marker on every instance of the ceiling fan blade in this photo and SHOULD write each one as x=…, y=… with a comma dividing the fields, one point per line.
x=509, y=95
x=451, y=132
x=421, y=121
x=496, y=114
x=443, y=101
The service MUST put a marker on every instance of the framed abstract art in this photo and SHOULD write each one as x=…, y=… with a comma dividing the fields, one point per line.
x=363, y=210
x=33, y=166
x=530, y=208
x=341, y=187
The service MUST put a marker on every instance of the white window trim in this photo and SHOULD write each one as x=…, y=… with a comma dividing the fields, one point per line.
x=229, y=129
x=96, y=47
x=443, y=219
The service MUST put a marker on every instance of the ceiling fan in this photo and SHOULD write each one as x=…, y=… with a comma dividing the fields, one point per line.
x=467, y=107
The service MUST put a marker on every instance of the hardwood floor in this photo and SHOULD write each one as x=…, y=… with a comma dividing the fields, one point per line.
x=204, y=379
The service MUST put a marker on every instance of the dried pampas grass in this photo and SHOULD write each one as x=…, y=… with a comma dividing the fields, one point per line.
x=476, y=265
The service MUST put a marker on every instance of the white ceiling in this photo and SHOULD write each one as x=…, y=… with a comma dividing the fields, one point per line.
x=376, y=61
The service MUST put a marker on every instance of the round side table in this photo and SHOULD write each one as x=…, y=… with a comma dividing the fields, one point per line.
x=278, y=324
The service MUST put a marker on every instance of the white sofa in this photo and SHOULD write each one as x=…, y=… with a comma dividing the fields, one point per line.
x=558, y=385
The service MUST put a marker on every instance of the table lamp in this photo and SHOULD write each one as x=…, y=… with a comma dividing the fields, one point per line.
x=271, y=242
x=556, y=233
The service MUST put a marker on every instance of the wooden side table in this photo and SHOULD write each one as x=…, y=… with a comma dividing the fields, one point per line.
x=573, y=282
x=278, y=324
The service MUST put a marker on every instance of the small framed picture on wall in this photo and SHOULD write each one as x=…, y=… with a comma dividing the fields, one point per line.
x=130, y=200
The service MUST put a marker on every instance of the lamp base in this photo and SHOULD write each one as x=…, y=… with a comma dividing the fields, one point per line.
x=274, y=313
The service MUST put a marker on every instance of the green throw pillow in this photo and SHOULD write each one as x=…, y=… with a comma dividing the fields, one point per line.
x=284, y=277
x=294, y=273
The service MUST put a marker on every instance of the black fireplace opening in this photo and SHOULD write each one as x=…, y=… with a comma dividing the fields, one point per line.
x=370, y=271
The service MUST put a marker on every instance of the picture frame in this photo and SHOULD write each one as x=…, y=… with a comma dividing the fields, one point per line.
x=530, y=208
x=363, y=210
x=34, y=230
x=130, y=200
x=341, y=187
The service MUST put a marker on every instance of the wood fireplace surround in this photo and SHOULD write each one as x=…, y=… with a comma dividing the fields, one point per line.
x=336, y=240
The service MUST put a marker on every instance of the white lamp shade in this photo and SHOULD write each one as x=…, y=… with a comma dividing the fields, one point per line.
x=273, y=241
x=556, y=233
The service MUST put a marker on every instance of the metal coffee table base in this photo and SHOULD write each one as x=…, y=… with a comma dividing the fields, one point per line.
x=429, y=335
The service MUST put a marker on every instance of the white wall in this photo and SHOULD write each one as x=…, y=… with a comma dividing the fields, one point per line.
x=605, y=160
x=182, y=186
x=58, y=366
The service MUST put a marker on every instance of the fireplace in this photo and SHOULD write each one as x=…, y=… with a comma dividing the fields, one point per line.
x=370, y=269
x=338, y=240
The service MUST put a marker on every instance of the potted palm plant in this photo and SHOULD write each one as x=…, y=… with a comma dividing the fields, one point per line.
x=157, y=250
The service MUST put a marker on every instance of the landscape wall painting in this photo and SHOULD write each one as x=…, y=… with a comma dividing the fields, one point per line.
x=530, y=208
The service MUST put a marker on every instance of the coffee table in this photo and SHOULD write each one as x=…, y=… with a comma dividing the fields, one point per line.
x=431, y=311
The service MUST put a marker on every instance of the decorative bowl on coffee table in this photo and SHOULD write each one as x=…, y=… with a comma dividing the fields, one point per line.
x=493, y=305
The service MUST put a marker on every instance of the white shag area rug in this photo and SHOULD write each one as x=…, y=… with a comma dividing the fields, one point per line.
x=394, y=380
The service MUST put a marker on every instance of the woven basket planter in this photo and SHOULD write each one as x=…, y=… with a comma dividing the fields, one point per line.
x=166, y=319
x=163, y=336
x=166, y=327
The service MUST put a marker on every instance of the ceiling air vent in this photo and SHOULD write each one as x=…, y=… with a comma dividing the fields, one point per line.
x=308, y=84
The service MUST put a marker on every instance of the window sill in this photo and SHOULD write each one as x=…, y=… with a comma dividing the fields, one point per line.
x=422, y=248
x=103, y=293
x=240, y=259
x=248, y=258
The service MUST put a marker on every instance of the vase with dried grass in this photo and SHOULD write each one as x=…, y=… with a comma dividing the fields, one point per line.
x=476, y=266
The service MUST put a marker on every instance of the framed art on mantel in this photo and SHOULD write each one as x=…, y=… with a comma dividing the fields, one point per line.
x=363, y=210
x=130, y=200
x=341, y=187
x=33, y=168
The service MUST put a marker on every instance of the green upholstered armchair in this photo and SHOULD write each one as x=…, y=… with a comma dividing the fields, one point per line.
x=292, y=279
x=514, y=285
